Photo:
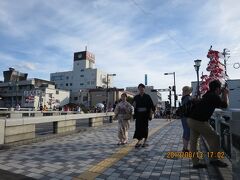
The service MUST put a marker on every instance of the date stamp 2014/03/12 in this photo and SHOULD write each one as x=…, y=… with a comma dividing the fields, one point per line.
x=199, y=155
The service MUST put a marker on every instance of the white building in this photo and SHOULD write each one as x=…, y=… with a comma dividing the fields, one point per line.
x=83, y=76
x=48, y=95
x=234, y=92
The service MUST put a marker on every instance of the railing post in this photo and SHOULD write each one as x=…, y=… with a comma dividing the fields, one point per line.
x=55, y=126
x=2, y=131
x=110, y=119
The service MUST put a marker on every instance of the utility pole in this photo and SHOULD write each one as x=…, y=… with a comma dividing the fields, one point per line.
x=226, y=54
x=170, y=96
x=174, y=87
x=174, y=91
x=107, y=89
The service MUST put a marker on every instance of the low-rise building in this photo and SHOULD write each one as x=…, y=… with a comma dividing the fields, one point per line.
x=91, y=97
x=154, y=94
x=31, y=93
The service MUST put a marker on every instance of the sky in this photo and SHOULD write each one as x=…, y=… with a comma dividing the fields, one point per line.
x=128, y=37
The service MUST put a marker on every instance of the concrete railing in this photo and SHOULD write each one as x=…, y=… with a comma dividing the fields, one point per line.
x=23, y=128
x=29, y=113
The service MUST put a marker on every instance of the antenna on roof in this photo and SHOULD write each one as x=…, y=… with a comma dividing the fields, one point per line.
x=85, y=48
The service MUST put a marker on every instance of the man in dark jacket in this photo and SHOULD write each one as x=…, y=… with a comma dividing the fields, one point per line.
x=143, y=105
x=198, y=123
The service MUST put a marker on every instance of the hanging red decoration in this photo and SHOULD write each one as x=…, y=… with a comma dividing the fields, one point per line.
x=216, y=69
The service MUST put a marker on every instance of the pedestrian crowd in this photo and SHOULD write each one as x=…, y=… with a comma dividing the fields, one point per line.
x=195, y=124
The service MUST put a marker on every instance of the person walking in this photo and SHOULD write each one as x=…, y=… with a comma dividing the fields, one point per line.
x=186, y=91
x=198, y=122
x=143, y=107
x=123, y=112
x=168, y=112
x=18, y=107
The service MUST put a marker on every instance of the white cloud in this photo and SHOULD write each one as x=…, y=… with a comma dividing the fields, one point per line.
x=41, y=36
x=26, y=66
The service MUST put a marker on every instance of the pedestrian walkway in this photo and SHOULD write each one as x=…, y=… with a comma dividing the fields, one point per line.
x=94, y=155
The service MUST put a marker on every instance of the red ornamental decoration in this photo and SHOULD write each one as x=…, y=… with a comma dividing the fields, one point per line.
x=216, y=69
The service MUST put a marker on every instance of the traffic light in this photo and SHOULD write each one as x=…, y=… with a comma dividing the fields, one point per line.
x=176, y=97
x=173, y=88
x=169, y=97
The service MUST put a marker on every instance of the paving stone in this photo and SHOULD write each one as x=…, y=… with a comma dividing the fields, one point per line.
x=35, y=175
x=132, y=178
x=72, y=155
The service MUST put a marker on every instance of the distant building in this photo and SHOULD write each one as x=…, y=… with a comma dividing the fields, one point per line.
x=155, y=95
x=31, y=93
x=234, y=92
x=13, y=75
x=92, y=97
x=83, y=76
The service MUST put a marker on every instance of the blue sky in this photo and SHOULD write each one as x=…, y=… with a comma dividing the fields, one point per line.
x=128, y=37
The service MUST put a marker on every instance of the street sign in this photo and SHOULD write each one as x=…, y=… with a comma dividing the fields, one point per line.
x=32, y=93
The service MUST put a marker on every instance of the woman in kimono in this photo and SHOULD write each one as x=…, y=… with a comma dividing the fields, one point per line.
x=123, y=112
x=143, y=108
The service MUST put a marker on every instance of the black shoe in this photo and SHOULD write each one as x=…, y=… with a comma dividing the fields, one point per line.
x=218, y=163
x=144, y=145
x=200, y=165
x=137, y=145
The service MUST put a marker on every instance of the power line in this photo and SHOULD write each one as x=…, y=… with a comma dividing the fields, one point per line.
x=139, y=7
x=170, y=37
x=179, y=45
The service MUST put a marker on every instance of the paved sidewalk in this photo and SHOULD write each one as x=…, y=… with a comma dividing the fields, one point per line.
x=95, y=154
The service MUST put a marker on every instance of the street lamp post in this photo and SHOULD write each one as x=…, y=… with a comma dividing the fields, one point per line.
x=174, y=87
x=197, y=66
x=16, y=85
x=11, y=94
x=107, y=94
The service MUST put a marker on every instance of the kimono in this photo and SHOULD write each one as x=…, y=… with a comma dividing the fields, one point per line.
x=143, y=105
x=123, y=113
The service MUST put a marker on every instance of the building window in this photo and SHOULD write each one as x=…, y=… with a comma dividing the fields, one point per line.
x=57, y=77
x=81, y=84
x=81, y=75
x=82, y=70
x=75, y=98
x=66, y=84
x=57, y=92
x=88, y=82
x=67, y=77
x=70, y=84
